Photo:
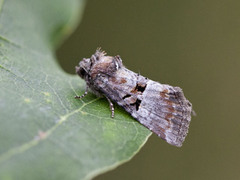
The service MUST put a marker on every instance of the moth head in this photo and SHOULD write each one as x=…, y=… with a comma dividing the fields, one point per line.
x=84, y=67
x=99, y=64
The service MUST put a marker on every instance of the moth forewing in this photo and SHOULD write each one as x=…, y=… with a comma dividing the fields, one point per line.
x=161, y=108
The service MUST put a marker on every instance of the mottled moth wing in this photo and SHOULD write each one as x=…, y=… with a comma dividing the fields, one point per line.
x=161, y=108
x=165, y=111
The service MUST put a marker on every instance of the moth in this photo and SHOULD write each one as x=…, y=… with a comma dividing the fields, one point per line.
x=161, y=108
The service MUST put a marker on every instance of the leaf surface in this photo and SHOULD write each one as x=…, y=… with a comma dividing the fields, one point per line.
x=44, y=132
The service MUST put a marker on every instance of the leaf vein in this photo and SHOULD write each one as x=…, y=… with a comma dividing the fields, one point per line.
x=35, y=141
x=58, y=97
x=16, y=76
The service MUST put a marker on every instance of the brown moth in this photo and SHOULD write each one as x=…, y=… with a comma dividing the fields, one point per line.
x=160, y=107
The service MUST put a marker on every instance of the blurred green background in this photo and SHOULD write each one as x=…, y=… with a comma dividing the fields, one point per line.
x=191, y=44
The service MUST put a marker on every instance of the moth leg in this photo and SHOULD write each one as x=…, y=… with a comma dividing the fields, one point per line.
x=111, y=107
x=84, y=94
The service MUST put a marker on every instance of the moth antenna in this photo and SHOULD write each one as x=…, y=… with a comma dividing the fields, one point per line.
x=100, y=52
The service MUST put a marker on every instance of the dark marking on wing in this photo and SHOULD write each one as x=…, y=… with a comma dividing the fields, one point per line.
x=126, y=96
x=137, y=103
x=139, y=88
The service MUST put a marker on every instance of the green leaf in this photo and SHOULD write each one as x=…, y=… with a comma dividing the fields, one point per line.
x=44, y=132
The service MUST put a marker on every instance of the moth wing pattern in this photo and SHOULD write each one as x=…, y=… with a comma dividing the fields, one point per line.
x=161, y=108
x=165, y=111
